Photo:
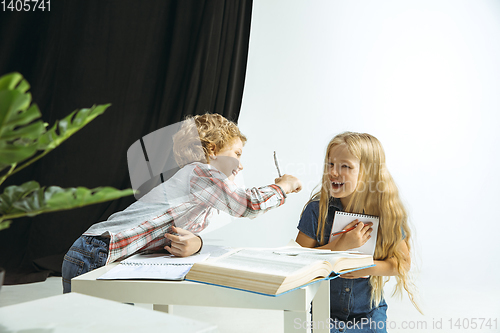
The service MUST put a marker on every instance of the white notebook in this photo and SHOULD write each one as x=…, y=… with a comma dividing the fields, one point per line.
x=157, y=266
x=341, y=219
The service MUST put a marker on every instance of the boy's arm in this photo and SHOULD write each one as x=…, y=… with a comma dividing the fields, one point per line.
x=213, y=189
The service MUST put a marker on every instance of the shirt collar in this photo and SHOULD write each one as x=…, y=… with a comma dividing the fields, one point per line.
x=335, y=202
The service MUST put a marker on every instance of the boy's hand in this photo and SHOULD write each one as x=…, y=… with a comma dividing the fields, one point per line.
x=184, y=244
x=289, y=183
x=354, y=238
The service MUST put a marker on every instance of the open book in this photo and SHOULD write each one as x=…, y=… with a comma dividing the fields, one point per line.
x=275, y=271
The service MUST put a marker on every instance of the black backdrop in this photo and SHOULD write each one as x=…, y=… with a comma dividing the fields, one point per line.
x=155, y=61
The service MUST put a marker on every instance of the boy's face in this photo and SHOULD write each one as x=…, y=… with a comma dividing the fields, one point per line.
x=343, y=171
x=228, y=158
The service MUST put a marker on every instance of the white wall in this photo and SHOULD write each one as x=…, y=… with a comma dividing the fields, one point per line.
x=423, y=77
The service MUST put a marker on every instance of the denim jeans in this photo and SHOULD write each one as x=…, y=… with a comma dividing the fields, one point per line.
x=87, y=253
x=350, y=308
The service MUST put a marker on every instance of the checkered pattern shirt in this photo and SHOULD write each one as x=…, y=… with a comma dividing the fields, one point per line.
x=187, y=200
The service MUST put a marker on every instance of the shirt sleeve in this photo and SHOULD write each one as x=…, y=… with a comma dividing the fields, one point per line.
x=212, y=188
x=308, y=222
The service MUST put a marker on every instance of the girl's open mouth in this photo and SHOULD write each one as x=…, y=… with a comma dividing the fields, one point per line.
x=337, y=185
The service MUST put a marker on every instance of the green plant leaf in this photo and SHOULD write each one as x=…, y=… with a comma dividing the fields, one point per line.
x=58, y=198
x=18, y=132
x=4, y=224
x=13, y=194
x=12, y=153
x=67, y=126
x=14, y=81
x=12, y=102
x=30, y=199
x=22, y=134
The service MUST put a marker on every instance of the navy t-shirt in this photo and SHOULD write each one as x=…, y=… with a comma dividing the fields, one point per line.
x=308, y=223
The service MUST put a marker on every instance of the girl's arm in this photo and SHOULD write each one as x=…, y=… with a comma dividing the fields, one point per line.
x=306, y=241
x=387, y=267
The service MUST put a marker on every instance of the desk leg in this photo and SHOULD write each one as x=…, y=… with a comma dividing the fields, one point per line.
x=296, y=321
x=321, y=308
x=164, y=308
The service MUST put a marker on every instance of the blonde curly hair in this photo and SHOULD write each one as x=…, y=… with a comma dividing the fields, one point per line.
x=198, y=134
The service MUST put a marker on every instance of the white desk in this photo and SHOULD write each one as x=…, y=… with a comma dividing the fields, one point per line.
x=75, y=312
x=295, y=304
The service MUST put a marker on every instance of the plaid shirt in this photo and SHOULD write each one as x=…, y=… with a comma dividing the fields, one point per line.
x=187, y=200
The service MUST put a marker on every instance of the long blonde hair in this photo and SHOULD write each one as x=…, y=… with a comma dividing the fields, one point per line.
x=375, y=194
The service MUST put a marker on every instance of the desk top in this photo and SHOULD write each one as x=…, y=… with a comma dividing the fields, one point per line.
x=186, y=293
x=75, y=312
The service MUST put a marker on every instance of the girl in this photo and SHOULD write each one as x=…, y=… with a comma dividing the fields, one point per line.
x=208, y=149
x=356, y=180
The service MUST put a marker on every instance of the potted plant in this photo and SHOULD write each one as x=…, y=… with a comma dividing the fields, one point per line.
x=24, y=139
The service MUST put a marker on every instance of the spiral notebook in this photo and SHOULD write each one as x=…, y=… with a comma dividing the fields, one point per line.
x=341, y=219
x=156, y=266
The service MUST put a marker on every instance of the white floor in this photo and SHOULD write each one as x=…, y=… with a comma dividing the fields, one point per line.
x=440, y=305
x=226, y=319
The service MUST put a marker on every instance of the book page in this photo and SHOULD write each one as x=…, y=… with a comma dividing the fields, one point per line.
x=334, y=257
x=163, y=259
x=266, y=262
x=215, y=251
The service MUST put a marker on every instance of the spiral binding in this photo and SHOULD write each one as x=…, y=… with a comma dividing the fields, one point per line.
x=151, y=264
x=356, y=215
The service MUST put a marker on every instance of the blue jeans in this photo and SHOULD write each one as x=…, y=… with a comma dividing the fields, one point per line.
x=350, y=308
x=373, y=322
x=86, y=254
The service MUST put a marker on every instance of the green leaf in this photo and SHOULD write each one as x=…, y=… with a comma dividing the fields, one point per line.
x=18, y=132
x=30, y=199
x=12, y=103
x=10, y=154
x=14, y=193
x=13, y=80
x=58, y=198
x=32, y=204
x=67, y=126
x=19, y=119
x=31, y=132
x=5, y=224
x=22, y=134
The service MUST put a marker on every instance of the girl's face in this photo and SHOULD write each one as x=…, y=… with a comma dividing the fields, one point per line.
x=228, y=159
x=343, y=171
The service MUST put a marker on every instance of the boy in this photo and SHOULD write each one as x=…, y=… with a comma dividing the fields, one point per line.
x=208, y=149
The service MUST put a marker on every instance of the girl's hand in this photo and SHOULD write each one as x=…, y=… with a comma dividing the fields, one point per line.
x=289, y=183
x=184, y=244
x=354, y=238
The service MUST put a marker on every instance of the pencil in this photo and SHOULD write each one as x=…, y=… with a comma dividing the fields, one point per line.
x=276, y=163
x=343, y=231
